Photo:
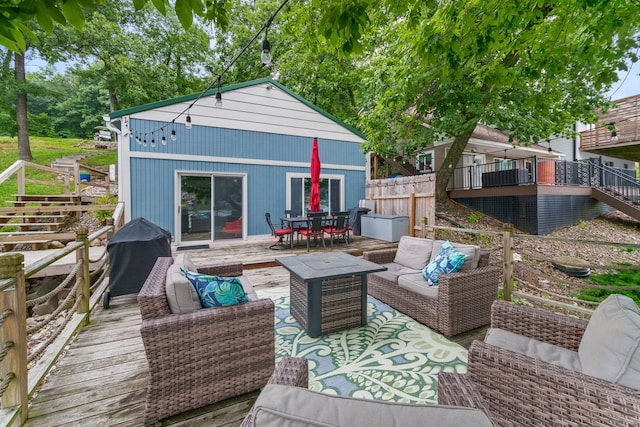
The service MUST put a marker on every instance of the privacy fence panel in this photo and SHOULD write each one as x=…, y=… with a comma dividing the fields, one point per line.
x=413, y=196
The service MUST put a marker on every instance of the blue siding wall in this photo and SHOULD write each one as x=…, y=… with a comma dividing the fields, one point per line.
x=153, y=180
x=206, y=141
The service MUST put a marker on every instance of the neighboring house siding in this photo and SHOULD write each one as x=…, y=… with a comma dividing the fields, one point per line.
x=538, y=214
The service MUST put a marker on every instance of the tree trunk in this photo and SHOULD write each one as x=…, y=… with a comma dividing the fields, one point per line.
x=446, y=171
x=24, y=149
x=113, y=100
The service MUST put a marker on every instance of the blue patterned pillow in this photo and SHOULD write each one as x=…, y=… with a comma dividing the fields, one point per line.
x=447, y=260
x=216, y=291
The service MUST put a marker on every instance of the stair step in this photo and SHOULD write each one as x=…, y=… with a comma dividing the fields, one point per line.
x=32, y=216
x=22, y=203
x=45, y=197
x=32, y=224
x=24, y=233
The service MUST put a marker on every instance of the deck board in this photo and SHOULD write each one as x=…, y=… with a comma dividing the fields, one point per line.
x=101, y=380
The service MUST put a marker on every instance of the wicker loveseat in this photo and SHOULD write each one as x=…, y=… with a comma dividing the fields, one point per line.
x=521, y=390
x=285, y=401
x=461, y=301
x=205, y=356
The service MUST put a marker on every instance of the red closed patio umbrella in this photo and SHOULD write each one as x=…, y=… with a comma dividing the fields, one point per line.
x=314, y=197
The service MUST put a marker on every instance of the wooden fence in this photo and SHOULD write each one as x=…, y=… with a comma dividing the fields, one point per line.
x=518, y=275
x=412, y=196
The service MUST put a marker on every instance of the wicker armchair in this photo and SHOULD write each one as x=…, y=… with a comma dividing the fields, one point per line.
x=517, y=390
x=463, y=302
x=293, y=371
x=206, y=356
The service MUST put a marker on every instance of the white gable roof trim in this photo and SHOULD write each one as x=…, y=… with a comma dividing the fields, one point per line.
x=262, y=105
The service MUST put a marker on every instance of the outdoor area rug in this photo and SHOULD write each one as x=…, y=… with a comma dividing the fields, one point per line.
x=392, y=358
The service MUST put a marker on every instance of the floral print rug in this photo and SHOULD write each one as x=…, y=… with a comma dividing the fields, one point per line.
x=391, y=358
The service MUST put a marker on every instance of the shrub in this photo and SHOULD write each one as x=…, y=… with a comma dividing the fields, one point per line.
x=103, y=215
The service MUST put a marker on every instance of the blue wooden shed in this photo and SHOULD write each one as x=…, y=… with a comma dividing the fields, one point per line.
x=215, y=177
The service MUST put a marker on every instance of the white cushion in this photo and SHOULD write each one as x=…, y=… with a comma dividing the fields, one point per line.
x=181, y=295
x=416, y=283
x=394, y=271
x=539, y=350
x=413, y=252
x=610, y=346
x=288, y=406
x=185, y=261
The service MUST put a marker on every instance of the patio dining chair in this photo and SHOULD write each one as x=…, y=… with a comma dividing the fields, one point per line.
x=290, y=213
x=338, y=227
x=280, y=233
x=315, y=227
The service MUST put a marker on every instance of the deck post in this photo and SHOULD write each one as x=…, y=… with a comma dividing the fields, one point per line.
x=427, y=231
x=110, y=223
x=14, y=330
x=507, y=255
x=83, y=275
x=412, y=212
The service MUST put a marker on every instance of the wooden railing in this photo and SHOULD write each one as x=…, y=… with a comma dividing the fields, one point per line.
x=23, y=369
x=515, y=284
x=624, y=120
x=70, y=180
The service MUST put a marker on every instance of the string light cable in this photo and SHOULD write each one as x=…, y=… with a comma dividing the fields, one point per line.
x=217, y=81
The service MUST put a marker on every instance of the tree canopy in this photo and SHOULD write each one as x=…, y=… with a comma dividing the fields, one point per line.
x=406, y=73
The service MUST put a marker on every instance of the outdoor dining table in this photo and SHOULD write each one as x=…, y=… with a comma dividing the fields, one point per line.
x=292, y=221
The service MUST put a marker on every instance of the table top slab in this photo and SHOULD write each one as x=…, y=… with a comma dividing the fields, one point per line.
x=327, y=265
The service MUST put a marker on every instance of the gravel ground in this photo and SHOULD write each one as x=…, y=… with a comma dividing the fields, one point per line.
x=535, y=267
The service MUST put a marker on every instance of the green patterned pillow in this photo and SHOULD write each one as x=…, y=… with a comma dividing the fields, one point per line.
x=216, y=291
x=447, y=260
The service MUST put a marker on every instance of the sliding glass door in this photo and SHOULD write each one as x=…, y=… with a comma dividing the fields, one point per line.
x=210, y=207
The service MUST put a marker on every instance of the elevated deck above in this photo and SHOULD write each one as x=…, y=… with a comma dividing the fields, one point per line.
x=617, y=134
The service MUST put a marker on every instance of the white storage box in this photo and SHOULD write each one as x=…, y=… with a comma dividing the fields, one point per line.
x=385, y=227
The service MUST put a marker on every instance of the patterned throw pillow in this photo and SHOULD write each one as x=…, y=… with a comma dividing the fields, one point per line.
x=217, y=291
x=447, y=260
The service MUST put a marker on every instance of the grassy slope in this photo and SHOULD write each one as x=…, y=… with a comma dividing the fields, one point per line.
x=45, y=151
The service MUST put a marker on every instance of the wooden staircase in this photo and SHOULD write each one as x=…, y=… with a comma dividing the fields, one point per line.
x=624, y=203
x=28, y=223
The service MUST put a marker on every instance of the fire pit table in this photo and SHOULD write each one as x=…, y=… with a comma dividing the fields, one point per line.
x=328, y=291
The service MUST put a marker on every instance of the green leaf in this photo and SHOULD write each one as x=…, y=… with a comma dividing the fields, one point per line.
x=197, y=7
x=55, y=13
x=184, y=12
x=25, y=30
x=44, y=19
x=161, y=6
x=139, y=4
x=74, y=14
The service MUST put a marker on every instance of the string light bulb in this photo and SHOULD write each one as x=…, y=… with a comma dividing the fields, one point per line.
x=188, y=124
x=173, y=135
x=153, y=141
x=614, y=136
x=218, y=99
x=163, y=140
x=265, y=56
x=144, y=142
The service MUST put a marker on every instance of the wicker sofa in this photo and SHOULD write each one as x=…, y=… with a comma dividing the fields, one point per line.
x=461, y=301
x=285, y=401
x=521, y=390
x=204, y=356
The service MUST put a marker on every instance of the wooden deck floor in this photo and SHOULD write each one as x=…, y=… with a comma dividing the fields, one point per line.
x=101, y=380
